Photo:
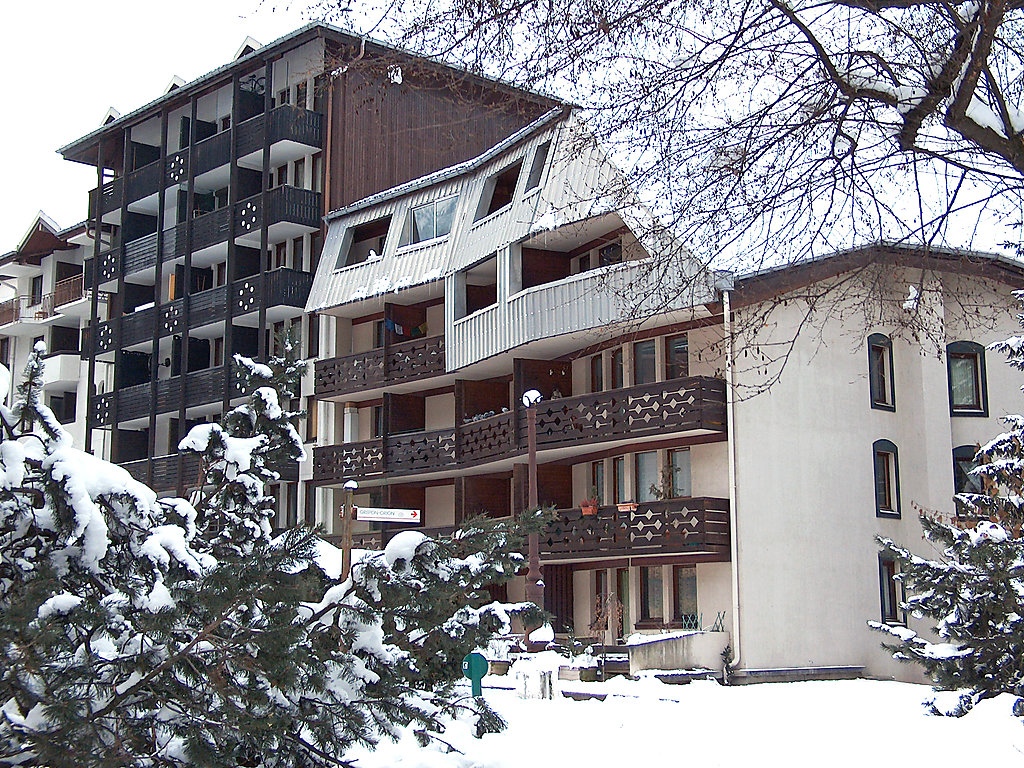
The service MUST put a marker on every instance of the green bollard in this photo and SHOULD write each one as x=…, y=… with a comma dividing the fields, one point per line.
x=474, y=666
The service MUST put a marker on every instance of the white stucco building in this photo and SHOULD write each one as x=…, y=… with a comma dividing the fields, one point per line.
x=744, y=510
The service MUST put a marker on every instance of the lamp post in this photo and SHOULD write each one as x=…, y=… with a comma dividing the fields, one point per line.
x=534, y=580
x=346, y=530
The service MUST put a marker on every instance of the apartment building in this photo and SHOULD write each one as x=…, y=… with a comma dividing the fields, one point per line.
x=746, y=519
x=213, y=196
x=45, y=299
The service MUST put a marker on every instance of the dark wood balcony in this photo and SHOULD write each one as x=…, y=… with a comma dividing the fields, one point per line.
x=135, y=402
x=285, y=288
x=696, y=527
x=694, y=404
x=409, y=360
x=165, y=471
x=284, y=205
x=287, y=123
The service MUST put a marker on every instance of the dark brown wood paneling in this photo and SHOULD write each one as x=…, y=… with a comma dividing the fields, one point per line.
x=405, y=413
x=558, y=596
x=486, y=496
x=386, y=133
x=540, y=267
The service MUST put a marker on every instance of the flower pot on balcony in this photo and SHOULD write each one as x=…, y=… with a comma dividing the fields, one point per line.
x=588, y=509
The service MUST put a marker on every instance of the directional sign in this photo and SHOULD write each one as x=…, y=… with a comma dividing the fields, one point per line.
x=388, y=515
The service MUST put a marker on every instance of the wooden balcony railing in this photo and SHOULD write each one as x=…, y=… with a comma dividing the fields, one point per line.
x=68, y=290
x=286, y=123
x=693, y=404
x=201, y=388
x=285, y=287
x=408, y=360
x=697, y=526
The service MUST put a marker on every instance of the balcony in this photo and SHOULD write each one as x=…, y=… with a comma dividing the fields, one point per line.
x=697, y=527
x=287, y=123
x=285, y=288
x=694, y=405
x=165, y=471
x=22, y=315
x=135, y=402
x=407, y=361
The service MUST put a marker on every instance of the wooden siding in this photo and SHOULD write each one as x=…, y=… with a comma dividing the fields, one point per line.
x=384, y=134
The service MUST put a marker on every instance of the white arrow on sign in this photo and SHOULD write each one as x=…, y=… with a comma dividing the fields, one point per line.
x=387, y=515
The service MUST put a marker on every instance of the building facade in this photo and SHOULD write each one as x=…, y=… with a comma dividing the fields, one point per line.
x=213, y=195
x=724, y=505
x=442, y=244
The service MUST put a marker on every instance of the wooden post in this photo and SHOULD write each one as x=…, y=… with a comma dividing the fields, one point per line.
x=534, y=580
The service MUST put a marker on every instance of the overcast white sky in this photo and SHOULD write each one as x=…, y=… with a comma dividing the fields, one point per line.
x=65, y=62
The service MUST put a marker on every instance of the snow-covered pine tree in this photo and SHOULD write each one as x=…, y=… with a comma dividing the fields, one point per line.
x=975, y=592
x=145, y=632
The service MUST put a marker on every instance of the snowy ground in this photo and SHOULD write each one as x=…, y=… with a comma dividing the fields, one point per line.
x=647, y=723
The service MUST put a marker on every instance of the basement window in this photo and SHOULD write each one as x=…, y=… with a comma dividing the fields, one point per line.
x=362, y=241
x=499, y=190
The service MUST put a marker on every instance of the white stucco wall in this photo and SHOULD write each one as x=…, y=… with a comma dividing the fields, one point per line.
x=808, y=564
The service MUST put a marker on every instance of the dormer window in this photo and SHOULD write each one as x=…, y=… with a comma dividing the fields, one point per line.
x=499, y=190
x=431, y=220
x=363, y=240
x=540, y=159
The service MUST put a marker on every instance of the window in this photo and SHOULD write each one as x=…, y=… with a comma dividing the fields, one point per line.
x=597, y=480
x=651, y=609
x=644, y=364
x=218, y=351
x=300, y=95
x=310, y=504
x=597, y=373
x=618, y=377
x=280, y=255
x=963, y=463
x=281, y=175
x=679, y=463
x=891, y=591
x=965, y=362
x=5, y=354
x=619, y=478
x=540, y=158
x=318, y=173
x=499, y=191
x=297, y=253
x=431, y=220
x=887, y=479
x=36, y=295
x=299, y=173
x=880, y=372
x=311, y=418
x=610, y=254
x=377, y=427
x=685, y=597
x=363, y=241
x=282, y=97
x=380, y=334
x=647, y=476
x=677, y=357
x=313, y=336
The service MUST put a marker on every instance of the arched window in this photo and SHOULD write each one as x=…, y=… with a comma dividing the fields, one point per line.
x=880, y=373
x=963, y=463
x=887, y=478
x=965, y=365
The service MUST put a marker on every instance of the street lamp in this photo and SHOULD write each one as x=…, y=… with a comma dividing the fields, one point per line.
x=346, y=530
x=534, y=580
